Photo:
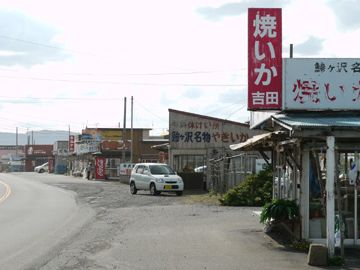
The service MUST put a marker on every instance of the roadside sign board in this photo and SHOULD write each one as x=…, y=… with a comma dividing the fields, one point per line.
x=100, y=163
x=322, y=84
x=264, y=59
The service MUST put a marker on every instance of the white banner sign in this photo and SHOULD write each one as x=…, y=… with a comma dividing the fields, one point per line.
x=84, y=148
x=321, y=84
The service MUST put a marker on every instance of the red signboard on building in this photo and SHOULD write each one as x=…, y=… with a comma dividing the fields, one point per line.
x=100, y=167
x=71, y=143
x=264, y=59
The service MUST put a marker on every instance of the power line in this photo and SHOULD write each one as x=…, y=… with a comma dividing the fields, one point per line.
x=150, y=111
x=195, y=72
x=227, y=105
x=56, y=98
x=42, y=45
x=144, y=74
x=233, y=112
x=125, y=83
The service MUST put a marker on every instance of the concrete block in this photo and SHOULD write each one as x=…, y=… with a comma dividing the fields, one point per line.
x=318, y=255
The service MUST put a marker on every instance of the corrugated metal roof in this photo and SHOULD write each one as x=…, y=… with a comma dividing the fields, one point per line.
x=258, y=139
x=318, y=120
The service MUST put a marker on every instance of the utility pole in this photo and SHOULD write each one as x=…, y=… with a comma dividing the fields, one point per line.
x=27, y=137
x=132, y=131
x=124, y=130
x=69, y=161
x=17, y=141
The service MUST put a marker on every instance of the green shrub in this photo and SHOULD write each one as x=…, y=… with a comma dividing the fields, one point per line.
x=300, y=245
x=336, y=261
x=255, y=190
x=279, y=210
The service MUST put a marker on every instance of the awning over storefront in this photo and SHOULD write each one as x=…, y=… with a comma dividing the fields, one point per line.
x=161, y=147
x=263, y=141
x=312, y=120
x=318, y=120
x=321, y=124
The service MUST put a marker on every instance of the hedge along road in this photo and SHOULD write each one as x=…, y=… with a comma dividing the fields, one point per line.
x=34, y=220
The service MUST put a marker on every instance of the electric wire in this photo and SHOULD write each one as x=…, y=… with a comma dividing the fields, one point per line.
x=104, y=82
x=125, y=83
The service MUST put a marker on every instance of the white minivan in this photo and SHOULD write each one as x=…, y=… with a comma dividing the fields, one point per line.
x=156, y=177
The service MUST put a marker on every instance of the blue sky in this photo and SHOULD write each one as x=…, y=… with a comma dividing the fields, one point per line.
x=72, y=62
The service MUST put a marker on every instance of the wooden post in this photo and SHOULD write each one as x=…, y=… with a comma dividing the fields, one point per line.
x=356, y=226
x=330, y=198
x=304, y=194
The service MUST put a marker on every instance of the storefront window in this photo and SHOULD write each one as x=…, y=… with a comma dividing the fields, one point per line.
x=188, y=163
x=284, y=178
x=285, y=187
x=346, y=195
x=112, y=167
x=348, y=175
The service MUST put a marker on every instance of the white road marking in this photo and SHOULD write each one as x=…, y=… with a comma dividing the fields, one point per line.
x=7, y=192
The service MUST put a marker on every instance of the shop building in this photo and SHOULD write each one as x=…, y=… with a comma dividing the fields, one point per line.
x=315, y=144
x=36, y=155
x=110, y=147
x=311, y=110
x=199, y=150
x=61, y=157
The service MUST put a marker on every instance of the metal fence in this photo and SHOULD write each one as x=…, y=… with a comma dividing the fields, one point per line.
x=227, y=172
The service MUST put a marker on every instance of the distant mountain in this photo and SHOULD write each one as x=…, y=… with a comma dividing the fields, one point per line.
x=39, y=137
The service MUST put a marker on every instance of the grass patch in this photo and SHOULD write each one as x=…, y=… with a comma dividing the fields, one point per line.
x=209, y=199
x=300, y=245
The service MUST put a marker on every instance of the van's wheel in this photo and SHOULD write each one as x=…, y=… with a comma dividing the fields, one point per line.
x=153, y=190
x=41, y=171
x=133, y=189
x=179, y=193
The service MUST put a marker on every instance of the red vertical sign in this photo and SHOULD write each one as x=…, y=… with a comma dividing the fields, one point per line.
x=264, y=59
x=100, y=168
x=71, y=143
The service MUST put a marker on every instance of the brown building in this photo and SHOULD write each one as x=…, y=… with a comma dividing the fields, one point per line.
x=36, y=155
x=114, y=147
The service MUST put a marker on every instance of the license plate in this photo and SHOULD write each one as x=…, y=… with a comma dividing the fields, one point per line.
x=167, y=186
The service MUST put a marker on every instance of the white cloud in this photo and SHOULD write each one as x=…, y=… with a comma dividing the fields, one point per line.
x=10, y=53
x=163, y=53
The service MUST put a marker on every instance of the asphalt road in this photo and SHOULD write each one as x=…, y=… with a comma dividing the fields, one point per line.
x=117, y=230
x=34, y=218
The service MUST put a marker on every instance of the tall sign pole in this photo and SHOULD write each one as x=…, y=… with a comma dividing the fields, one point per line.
x=264, y=59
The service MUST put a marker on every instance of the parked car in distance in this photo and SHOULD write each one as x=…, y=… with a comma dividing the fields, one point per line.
x=155, y=177
x=200, y=169
x=42, y=168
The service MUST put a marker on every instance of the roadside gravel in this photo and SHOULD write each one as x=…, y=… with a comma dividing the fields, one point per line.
x=164, y=232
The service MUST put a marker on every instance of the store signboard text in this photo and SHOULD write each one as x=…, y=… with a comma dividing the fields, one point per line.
x=322, y=84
